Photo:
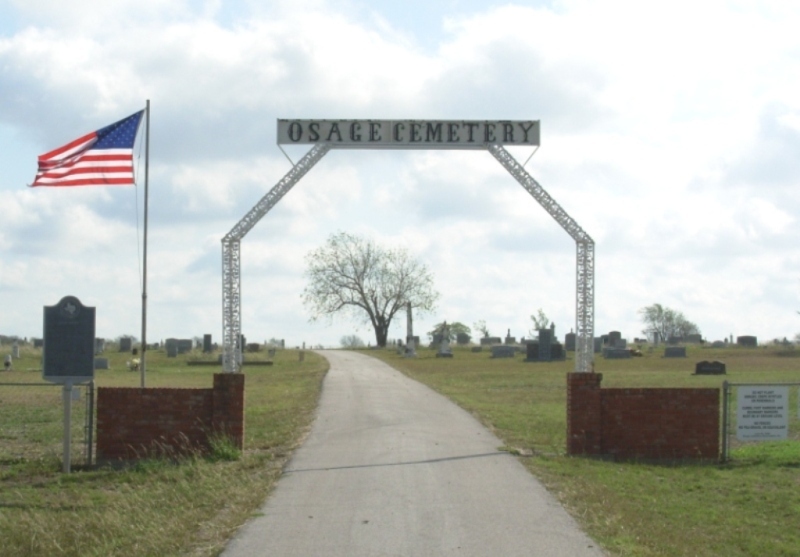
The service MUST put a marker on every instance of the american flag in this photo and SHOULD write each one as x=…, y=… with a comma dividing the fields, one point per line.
x=100, y=158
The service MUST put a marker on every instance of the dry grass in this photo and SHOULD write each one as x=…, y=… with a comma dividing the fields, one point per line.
x=158, y=507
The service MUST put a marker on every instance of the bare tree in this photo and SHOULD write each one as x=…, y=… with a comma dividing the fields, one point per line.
x=540, y=321
x=355, y=275
x=351, y=341
x=454, y=328
x=666, y=322
x=481, y=327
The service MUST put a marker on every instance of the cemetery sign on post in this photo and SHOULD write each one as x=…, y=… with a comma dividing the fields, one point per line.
x=68, y=355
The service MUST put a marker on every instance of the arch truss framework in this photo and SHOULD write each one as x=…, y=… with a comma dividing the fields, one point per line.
x=231, y=243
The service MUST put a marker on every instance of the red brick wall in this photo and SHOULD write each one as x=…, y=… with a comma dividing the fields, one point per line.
x=134, y=423
x=647, y=424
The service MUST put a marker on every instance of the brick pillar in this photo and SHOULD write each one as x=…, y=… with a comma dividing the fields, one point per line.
x=228, y=414
x=584, y=407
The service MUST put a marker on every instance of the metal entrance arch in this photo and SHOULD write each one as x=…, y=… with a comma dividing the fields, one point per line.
x=325, y=135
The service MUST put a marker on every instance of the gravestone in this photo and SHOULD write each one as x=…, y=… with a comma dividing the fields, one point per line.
x=125, y=344
x=569, y=341
x=101, y=363
x=185, y=345
x=271, y=352
x=38, y=343
x=598, y=345
x=488, y=341
x=207, y=347
x=411, y=340
x=171, y=344
x=15, y=351
x=557, y=352
x=503, y=351
x=674, y=340
x=69, y=342
x=675, y=352
x=656, y=338
x=462, y=338
x=545, y=345
x=613, y=338
x=532, y=351
x=99, y=346
x=621, y=343
x=444, y=343
x=747, y=341
x=436, y=339
x=709, y=368
x=616, y=353
x=509, y=339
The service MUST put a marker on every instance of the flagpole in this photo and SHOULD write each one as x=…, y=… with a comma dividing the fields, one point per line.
x=143, y=357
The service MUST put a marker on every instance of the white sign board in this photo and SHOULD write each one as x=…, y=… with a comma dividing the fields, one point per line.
x=409, y=134
x=762, y=413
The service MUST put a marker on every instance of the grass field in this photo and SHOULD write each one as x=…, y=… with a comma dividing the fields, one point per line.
x=750, y=506
x=156, y=508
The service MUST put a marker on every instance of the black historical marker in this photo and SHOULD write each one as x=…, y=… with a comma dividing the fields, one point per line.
x=68, y=342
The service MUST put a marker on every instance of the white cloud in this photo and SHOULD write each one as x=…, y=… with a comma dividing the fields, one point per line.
x=669, y=134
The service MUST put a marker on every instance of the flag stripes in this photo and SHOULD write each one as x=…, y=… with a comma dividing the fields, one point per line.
x=101, y=158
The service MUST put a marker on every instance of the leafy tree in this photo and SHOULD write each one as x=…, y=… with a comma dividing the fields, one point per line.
x=351, y=341
x=481, y=327
x=454, y=329
x=666, y=322
x=354, y=275
x=540, y=321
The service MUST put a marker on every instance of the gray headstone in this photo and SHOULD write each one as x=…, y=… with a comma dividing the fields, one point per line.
x=99, y=346
x=614, y=337
x=616, y=353
x=444, y=343
x=503, y=351
x=101, y=363
x=171, y=345
x=532, y=351
x=675, y=352
x=598, y=345
x=207, y=346
x=747, y=340
x=15, y=351
x=185, y=345
x=125, y=344
x=38, y=343
x=569, y=342
x=412, y=342
x=545, y=345
x=69, y=342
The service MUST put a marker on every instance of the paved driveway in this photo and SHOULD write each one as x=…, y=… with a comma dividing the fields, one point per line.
x=393, y=468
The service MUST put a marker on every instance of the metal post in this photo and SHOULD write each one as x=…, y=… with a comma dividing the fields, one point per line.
x=725, y=387
x=90, y=423
x=66, y=396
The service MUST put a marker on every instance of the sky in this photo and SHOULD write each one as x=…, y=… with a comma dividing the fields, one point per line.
x=669, y=131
